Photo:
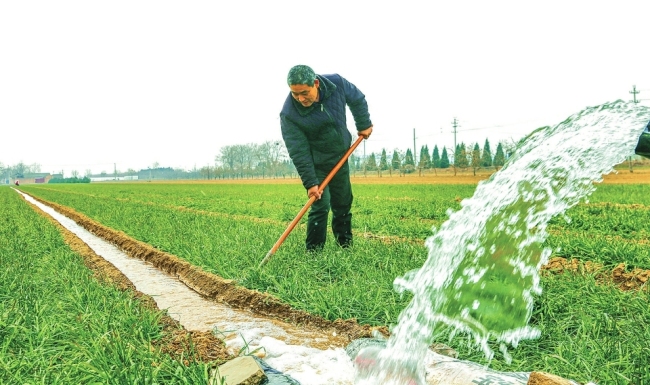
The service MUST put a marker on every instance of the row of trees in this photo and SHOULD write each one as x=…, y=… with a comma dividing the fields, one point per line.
x=462, y=159
x=74, y=179
x=270, y=160
x=18, y=170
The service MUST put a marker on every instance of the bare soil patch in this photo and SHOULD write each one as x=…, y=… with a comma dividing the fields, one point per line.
x=635, y=279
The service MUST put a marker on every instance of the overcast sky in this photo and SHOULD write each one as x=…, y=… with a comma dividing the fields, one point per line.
x=89, y=84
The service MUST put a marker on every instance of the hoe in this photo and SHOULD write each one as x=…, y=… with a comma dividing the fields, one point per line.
x=309, y=202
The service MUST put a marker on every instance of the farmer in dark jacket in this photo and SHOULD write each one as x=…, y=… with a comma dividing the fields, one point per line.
x=314, y=129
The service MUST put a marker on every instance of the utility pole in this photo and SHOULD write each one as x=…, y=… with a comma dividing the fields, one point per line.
x=455, y=125
x=634, y=92
x=415, y=159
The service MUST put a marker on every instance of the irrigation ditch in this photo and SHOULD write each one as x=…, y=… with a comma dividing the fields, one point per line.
x=303, y=328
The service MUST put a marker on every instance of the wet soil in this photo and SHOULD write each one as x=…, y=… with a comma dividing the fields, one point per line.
x=204, y=345
x=176, y=341
x=200, y=345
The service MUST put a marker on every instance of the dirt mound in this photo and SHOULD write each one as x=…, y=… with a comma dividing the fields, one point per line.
x=625, y=280
x=634, y=279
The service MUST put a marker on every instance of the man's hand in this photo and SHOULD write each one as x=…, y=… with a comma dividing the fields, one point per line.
x=366, y=133
x=313, y=191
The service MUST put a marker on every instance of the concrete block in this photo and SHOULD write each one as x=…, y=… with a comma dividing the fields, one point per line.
x=242, y=371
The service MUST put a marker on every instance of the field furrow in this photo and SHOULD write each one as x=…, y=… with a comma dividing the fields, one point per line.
x=210, y=228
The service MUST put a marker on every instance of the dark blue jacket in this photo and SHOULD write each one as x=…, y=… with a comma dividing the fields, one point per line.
x=317, y=136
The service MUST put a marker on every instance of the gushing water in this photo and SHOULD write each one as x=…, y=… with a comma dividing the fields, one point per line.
x=482, y=270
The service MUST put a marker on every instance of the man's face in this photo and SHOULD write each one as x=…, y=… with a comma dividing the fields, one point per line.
x=305, y=94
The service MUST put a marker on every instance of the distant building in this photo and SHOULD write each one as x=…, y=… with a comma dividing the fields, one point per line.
x=36, y=177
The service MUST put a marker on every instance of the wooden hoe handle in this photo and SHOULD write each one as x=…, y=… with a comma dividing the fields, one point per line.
x=311, y=200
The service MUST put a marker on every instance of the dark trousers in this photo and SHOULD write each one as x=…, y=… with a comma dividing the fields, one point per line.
x=337, y=196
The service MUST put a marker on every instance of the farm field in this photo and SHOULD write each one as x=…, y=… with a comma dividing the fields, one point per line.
x=593, y=315
x=62, y=323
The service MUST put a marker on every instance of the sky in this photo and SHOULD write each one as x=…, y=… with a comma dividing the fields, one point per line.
x=98, y=85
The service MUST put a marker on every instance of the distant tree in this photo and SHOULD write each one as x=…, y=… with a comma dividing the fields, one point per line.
x=371, y=163
x=207, y=172
x=249, y=159
x=354, y=162
x=444, y=159
x=219, y=172
x=408, y=165
x=425, y=158
x=227, y=158
x=269, y=156
x=70, y=180
x=475, y=162
x=20, y=169
x=383, y=161
x=435, y=157
x=460, y=156
x=499, y=157
x=408, y=158
x=396, y=162
x=486, y=159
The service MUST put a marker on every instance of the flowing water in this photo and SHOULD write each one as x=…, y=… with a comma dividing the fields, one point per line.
x=482, y=270
x=307, y=355
x=310, y=356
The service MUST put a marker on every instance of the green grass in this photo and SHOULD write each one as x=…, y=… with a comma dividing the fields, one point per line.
x=590, y=331
x=58, y=325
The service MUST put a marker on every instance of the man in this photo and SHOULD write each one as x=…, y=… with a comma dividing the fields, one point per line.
x=314, y=128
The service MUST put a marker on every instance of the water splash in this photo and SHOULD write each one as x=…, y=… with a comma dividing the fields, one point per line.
x=482, y=270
